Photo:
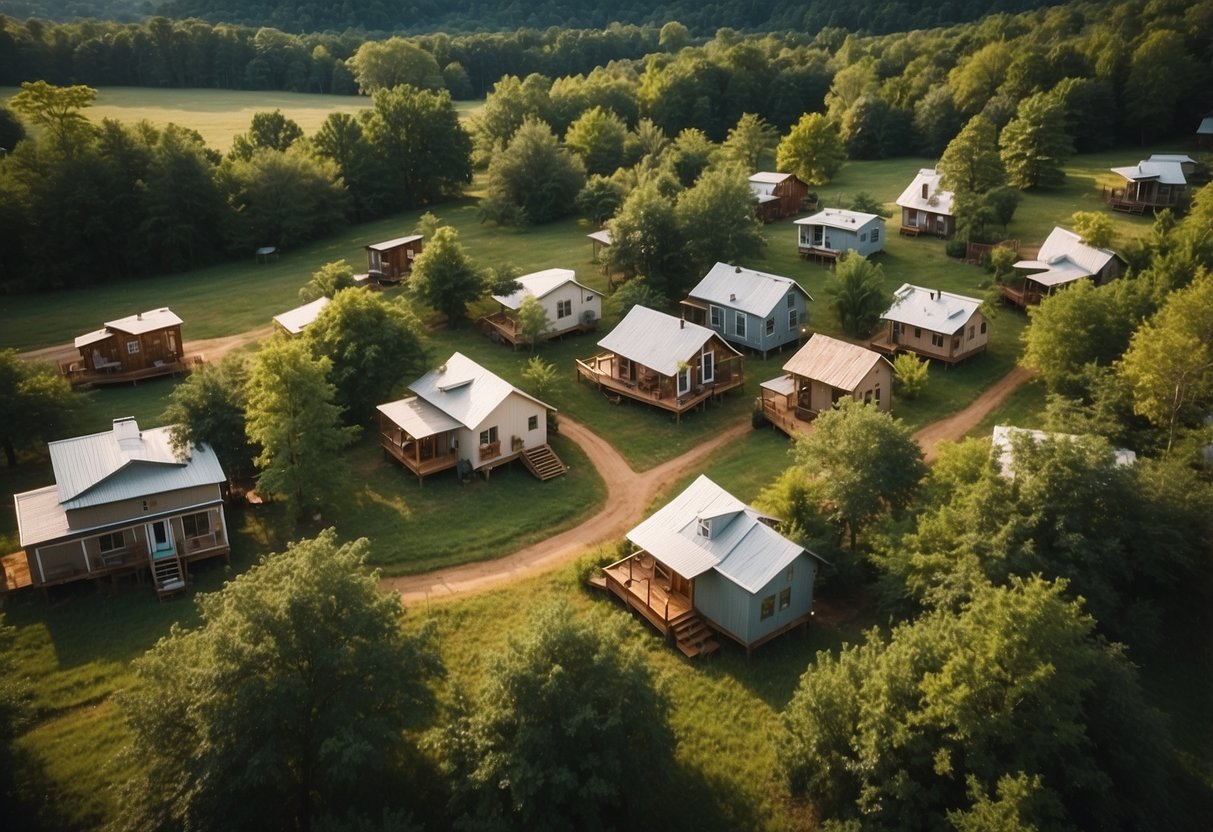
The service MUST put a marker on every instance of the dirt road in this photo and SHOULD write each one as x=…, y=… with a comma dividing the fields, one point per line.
x=212, y=349
x=957, y=425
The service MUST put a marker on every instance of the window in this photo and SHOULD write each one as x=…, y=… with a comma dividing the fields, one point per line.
x=875, y=235
x=196, y=525
x=785, y=598
x=532, y=423
x=717, y=317
x=972, y=332
x=917, y=332
x=564, y=308
x=739, y=324
x=897, y=327
x=793, y=319
x=684, y=381
x=707, y=366
x=111, y=542
x=488, y=437
x=132, y=347
x=768, y=607
x=877, y=392
x=863, y=238
x=936, y=339
x=770, y=326
x=867, y=397
x=705, y=527
x=983, y=327
x=791, y=301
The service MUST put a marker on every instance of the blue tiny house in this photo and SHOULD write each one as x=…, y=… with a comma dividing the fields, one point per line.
x=748, y=308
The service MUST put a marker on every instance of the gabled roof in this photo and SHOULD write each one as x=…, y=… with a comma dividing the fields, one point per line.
x=388, y=245
x=1064, y=257
x=465, y=391
x=125, y=463
x=770, y=177
x=540, y=284
x=1166, y=168
x=657, y=340
x=417, y=417
x=297, y=319
x=1206, y=126
x=837, y=363
x=932, y=309
x=741, y=546
x=136, y=324
x=602, y=236
x=1002, y=438
x=937, y=201
x=840, y=218
x=753, y=292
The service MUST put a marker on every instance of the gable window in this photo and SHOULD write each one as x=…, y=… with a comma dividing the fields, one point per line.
x=532, y=423
x=196, y=525
x=739, y=324
x=791, y=301
x=132, y=347
x=875, y=235
x=793, y=318
x=768, y=607
x=785, y=598
x=770, y=326
x=717, y=317
x=917, y=332
x=705, y=527
x=564, y=308
x=936, y=340
x=111, y=542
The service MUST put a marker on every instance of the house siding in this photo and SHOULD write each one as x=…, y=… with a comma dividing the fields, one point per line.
x=581, y=300
x=511, y=419
x=133, y=510
x=844, y=239
x=919, y=340
x=737, y=612
x=755, y=333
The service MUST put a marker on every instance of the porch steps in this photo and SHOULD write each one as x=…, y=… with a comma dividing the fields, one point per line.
x=692, y=636
x=543, y=462
x=168, y=576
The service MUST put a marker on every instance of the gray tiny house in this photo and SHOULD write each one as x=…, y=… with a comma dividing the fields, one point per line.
x=748, y=308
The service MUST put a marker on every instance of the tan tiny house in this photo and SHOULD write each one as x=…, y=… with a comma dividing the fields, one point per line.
x=934, y=324
x=138, y=346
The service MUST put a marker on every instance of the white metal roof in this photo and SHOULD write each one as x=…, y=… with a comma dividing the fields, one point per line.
x=841, y=218
x=297, y=319
x=602, y=236
x=754, y=292
x=932, y=309
x=657, y=340
x=93, y=337
x=465, y=391
x=148, y=321
x=39, y=516
x=388, y=245
x=540, y=284
x=769, y=177
x=937, y=201
x=417, y=417
x=1064, y=257
x=1002, y=438
x=783, y=385
x=1206, y=126
x=840, y=364
x=741, y=546
x=1166, y=168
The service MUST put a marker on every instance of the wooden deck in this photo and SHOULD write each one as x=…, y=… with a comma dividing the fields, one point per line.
x=406, y=453
x=820, y=255
x=657, y=392
x=501, y=327
x=639, y=581
x=14, y=569
x=1021, y=296
x=78, y=377
x=794, y=421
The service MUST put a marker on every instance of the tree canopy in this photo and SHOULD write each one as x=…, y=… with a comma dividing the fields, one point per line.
x=444, y=277
x=813, y=150
x=533, y=179
x=208, y=407
x=36, y=403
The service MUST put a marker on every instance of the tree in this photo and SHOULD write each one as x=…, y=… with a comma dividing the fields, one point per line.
x=975, y=79
x=272, y=131
x=597, y=136
x=382, y=65
x=1160, y=70
x=539, y=376
x=209, y=407
x=341, y=139
x=936, y=120
x=636, y=292
x=864, y=462
x=600, y=199
x=534, y=175
x=287, y=706
x=904, y=731
x=812, y=150
x=36, y=403
x=748, y=140
x=567, y=716
x=422, y=151
x=971, y=163
x=1035, y=144
x=911, y=374
x=858, y=296
x=674, y=36
x=291, y=415
x=1094, y=227
x=532, y=320
x=11, y=129
x=328, y=281
x=373, y=343
x=717, y=219
x=691, y=153
x=646, y=239
x=282, y=199
x=183, y=208
x=56, y=110
x=511, y=102
x=444, y=277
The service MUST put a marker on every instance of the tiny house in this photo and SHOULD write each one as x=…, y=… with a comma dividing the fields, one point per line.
x=829, y=233
x=749, y=308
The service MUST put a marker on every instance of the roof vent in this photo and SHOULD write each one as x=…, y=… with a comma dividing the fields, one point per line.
x=925, y=187
x=682, y=323
x=139, y=316
x=737, y=269
x=126, y=431
x=732, y=296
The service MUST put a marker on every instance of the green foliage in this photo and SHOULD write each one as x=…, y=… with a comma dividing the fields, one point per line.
x=382, y=65
x=11, y=129
x=567, y=716
x=975, y=80
x=56, y=110
x=1035, y=144
x=717, y=220
x=444, y=277
x=597, y=136
x=971, y=163
x=1002, y=262
x=1094, y=227
x=748, y=141
x=636, y=292
x=282, y=198
x=858, y=297
x=690, y=154
x=600, y=199
x=330, y=279
x=534, y=175
x=865, y=203
x=539, y=377
x=373, y=343
x=646, y=239
x=422, y=151
x=532, y=320
x=511, y=102
x=812, y=150
x=208, y=407
x=271, y=131
x=1159, y=70
x=291, y=415
x=286, y=707
x=36, y=404
x=911, y=374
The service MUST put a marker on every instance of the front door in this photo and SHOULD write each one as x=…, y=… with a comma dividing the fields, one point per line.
x=161, y=536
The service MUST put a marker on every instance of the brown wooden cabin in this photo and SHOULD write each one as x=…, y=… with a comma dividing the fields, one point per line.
x=779, y=194
x=392, y=261
x=139, y=346
x=1158, y=182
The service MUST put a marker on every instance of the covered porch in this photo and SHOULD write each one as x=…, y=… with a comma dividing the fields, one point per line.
x=419, y=436
x=1023, y=293
x=779, y=406
x=618, y=377
x=111, y=372
x=663, y=598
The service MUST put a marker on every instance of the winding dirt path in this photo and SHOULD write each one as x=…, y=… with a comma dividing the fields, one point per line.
x=955, y=427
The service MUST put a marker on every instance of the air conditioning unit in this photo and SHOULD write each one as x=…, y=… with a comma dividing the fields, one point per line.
x=589, y=316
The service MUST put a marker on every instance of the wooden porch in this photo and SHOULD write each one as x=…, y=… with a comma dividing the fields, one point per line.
x=1025, y=294
x=817, y=254
x=785, y=415
x=660, y=391
x=78, y=375
x=503, y=327
x=14, y=572
x=1140, y=197
x=652, y=590
x=429, y=455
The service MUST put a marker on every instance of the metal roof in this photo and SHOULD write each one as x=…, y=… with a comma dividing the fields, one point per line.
x=142, y=322
x=754, y=292
x=539, y=284
x=937, y=201
x=932, y=309
x=769, y=177
x=740, y=546
x=1064, y=257
x=840, y=364
x=603, y=236
x=297, y=319
x=657, y=340
x=465, y=391
x=39, y=516
x=1206, y=126
x=1002, y=438
x=417, y=417
x=1166, y=168
x=388, y=245
x=840, y=218
x=783, y=385
x=96, y=336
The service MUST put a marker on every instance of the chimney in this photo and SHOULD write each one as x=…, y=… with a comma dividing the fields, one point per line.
x=732, y=296
x=139, y=316
x=126, y=431
x=682, y=323
x=924, y=190
x=737, y=269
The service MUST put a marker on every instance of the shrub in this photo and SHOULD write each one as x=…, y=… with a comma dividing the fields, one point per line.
x=911, y=374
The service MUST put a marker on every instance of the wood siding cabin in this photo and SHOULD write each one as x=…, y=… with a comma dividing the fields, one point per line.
x=779, y=195
x=144, y=345
x=392, y=261
x=829, y=233
x=124, y=502
x=925, y=207
x=570, y=306
x=749, y=308
x=300, y=318
x=462, y=415
x=821, y=373
x=1158, y=182
x=663, y=361
x=707, y=564
x=933, y=324
x=1062, y=260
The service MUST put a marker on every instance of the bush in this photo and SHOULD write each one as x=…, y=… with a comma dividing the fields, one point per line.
x=956, y=247
x=911, y=374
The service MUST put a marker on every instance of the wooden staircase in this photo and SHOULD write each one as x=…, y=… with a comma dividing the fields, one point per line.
x=168, y=575
x=692, y=636
x=543, y=462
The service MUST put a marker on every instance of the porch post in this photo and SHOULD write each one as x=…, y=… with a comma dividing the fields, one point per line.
x=84, y=554
x=41, y=571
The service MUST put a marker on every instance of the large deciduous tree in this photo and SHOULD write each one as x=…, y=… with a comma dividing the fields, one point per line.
x=971, y=163
x=533, y=179
x=286, y=707
x=58, y=111
x=646, y=239
x=597, y=136
x=208, y=407
x=382, y=65
x=36, y=403
x=272, y=131
x=717, y=219
x=1035, y=144
x=327, y=281
x=282, y=199
x=748, y=140
x=423, y=153
x=813, y=150
x=444, y=277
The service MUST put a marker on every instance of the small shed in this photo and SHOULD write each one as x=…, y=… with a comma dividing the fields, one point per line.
x=392, y=260
x=298, y=319
x=829, y=233
x=779, y=195
x=138, y=346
